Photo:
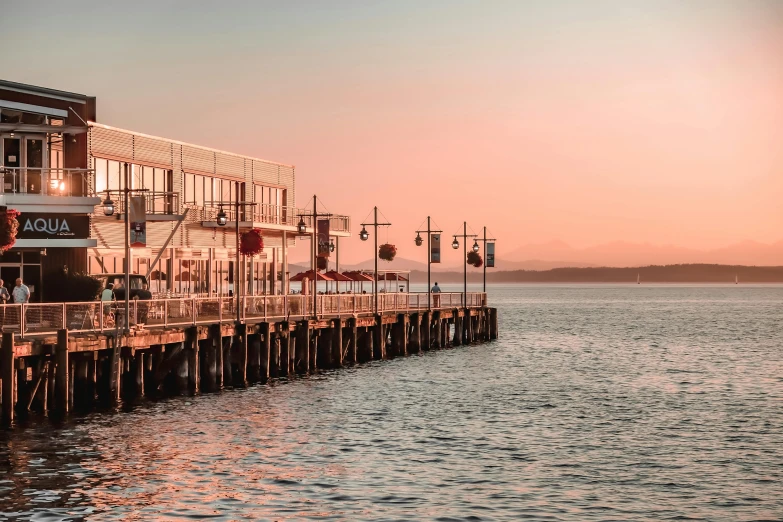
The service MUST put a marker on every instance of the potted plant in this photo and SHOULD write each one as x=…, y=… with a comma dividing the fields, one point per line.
x=251, y=243
x=387, y=252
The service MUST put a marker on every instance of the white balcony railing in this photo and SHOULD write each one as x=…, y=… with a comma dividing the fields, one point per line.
x=97, y=316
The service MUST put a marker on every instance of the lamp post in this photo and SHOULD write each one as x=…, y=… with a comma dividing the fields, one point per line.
x=108, y=210
x=302, y=229
x=455, y=245
x=429, y=257
x=222, y=220
x=363, y=235
x=484, y=240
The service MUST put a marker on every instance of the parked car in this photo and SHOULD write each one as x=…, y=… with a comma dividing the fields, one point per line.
x=138, y=285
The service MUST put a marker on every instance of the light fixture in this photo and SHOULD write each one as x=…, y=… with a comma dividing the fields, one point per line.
x=475, y=246
x=302, y=227
x=108, y=206
x=54, y=183
x=331, y=245
x=61, y=186
x=221, y=219
x=364, y=235
x=418, y=239
x=455, y=244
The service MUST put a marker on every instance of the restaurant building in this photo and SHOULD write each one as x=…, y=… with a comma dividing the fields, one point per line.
x=59, y=164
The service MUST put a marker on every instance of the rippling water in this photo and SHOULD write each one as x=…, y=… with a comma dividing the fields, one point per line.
x=598, y=403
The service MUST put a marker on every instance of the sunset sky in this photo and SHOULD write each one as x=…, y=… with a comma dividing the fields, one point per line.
x=586, y=122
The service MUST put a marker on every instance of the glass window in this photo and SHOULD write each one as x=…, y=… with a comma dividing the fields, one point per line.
x=101, y=173
x=190, y=185
x=160, y=181
x=199, y=188
x=115, y=175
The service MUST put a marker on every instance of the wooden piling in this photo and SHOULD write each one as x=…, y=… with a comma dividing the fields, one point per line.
x=253, y=355
x=266, y=348
x=240, y=336
x=457, y=329
x=192, y=348
x=337, y=343
x=379, y=339
x=139, y=367
x=285, y=355
x=425, y=331
x=61, y=377
x=325, y=348
x=352, y=338
x=7, y=376
x=313, y=366
x=302, y=351
x=414, y=339
x=437, y=328
x=216, y=354
x=402, y=334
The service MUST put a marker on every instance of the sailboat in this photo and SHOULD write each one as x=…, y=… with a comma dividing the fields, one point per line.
x=638, y=279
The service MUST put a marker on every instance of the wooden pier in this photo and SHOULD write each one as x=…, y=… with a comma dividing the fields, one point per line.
x=69, y=371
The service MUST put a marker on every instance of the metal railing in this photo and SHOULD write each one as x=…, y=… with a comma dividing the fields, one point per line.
x=155, y=202
x=106, y=316
x=268, y=214
x=46, y=181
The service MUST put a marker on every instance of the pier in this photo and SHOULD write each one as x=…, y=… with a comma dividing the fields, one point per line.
x=60, y=357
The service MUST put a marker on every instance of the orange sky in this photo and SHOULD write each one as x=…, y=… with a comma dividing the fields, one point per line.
x=587, y=122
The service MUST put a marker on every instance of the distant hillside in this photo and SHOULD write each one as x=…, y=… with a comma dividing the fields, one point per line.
x=693, y=273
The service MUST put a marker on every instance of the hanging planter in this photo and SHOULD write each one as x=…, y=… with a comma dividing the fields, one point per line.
x=322, y=263
x=474, y=258
x=251, y=243
x=8, y=228
x=387, y=252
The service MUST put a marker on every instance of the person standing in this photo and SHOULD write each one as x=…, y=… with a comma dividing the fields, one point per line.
x=21, y=292
x=4, y=298
x=435, y=297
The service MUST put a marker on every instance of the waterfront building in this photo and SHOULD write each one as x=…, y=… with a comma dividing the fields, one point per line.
x=59, y=163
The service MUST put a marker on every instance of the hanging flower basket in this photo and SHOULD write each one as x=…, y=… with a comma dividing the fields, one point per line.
x=8, y=228
x=474, y=258
x=251, y=243
x=321, y=263
x=387, y=252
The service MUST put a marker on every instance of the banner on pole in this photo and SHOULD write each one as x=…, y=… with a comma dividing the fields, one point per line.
x=137, y=215
x=490, y=255
x=323, y=238
x=435, y=248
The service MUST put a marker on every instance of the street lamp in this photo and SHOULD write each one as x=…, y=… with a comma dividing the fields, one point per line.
x=331, y=245
x=108, y=206
x=455, y=245
x=221, y=218
x=418, y=242
x=302, y=228
x=363, y=235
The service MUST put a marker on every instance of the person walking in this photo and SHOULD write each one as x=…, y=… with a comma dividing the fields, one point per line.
x=435, y=297
x=21, y=292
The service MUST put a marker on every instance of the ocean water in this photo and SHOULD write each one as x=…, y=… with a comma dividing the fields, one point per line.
x=629, y=402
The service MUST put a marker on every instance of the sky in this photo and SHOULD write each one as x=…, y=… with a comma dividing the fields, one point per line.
x=583, y=122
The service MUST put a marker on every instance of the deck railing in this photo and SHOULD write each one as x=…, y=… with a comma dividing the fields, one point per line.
x=45, y=181
x=97, y=316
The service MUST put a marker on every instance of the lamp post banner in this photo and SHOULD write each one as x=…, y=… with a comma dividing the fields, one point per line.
x=435, y=248
x=490, y=255
x=323, y=238
x=138, y=221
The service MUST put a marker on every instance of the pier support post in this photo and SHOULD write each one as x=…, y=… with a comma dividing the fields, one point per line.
x=227, y=344
x=414, y=344
x=337, y=343
x=458, y=329
x=240, y=334
x=313, y=348
x=274, y=351
x=402, y=334
x=302, y=348
x=7, y=376
x=425, y=331
x=265, y=333
x=285, y=356
x=325, y=348
x=253, y=354
x=352, y=331
x=379, y=339
x=61, y=377
x=215, y=357
x=445, y=329
x=139, y=368
x=194, y=372
x=437, y=328
x=493, y=333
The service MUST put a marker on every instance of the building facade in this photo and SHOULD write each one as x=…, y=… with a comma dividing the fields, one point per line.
x=184, y=186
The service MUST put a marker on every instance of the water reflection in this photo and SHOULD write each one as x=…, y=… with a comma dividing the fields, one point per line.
x=597, y=404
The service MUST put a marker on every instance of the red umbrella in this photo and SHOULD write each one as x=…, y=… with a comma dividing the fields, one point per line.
x=309, y=275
